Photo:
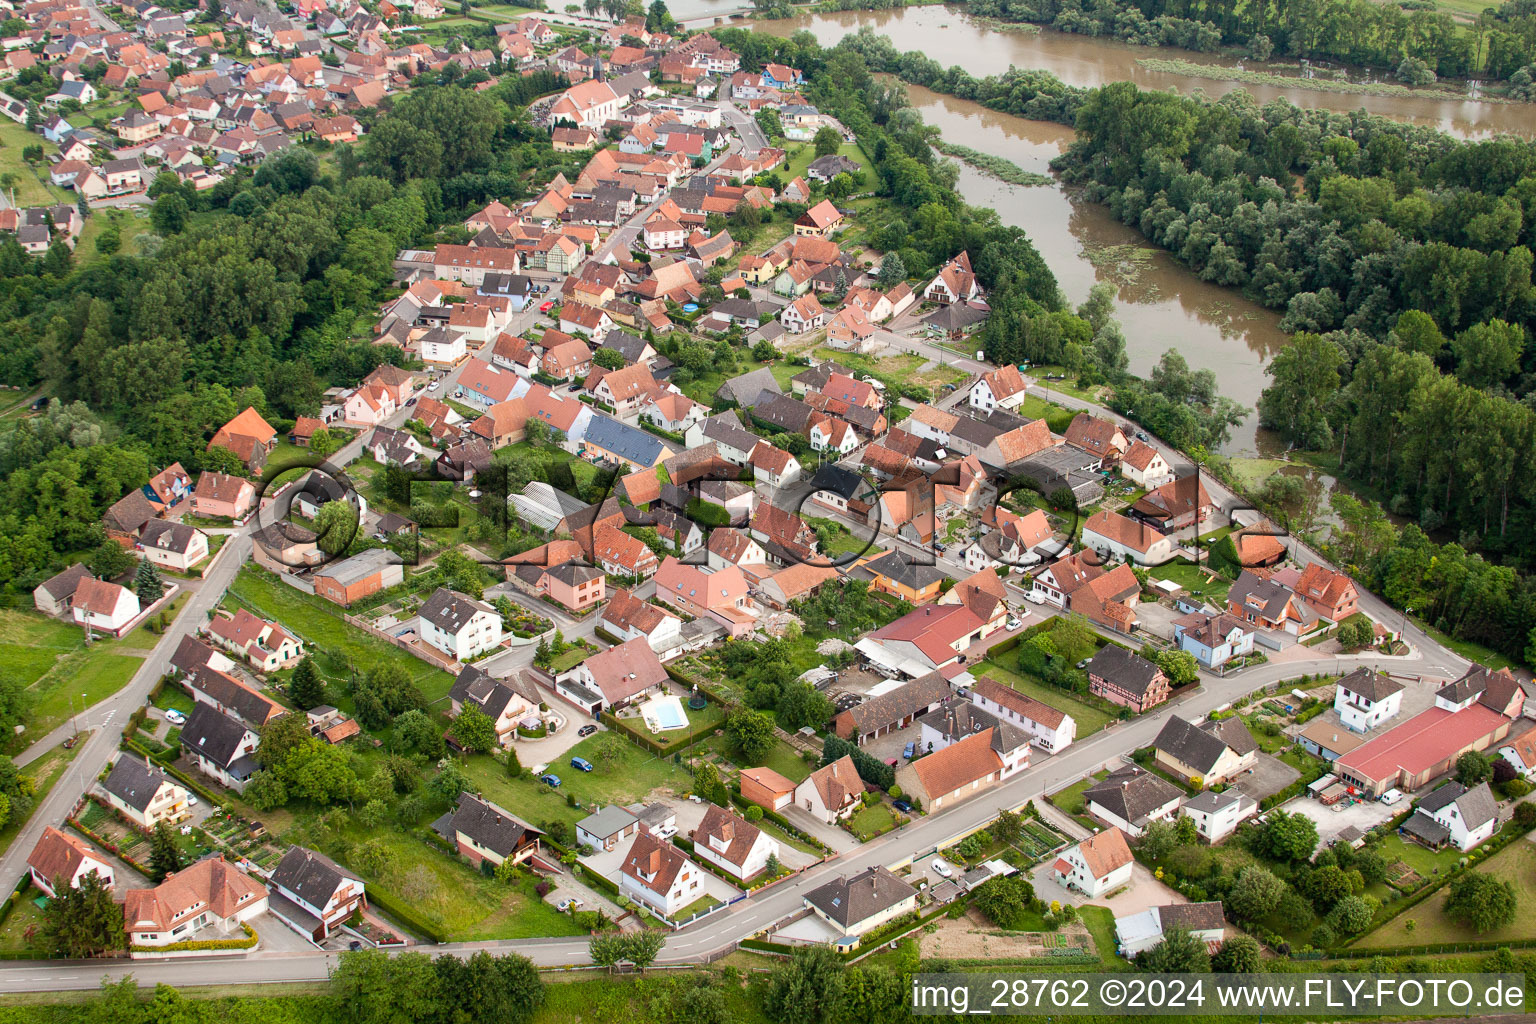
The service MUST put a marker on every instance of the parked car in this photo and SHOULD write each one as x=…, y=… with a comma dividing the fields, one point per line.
x=908, y=750
x=191, y=799
x=1034, y=598
x=569, y=903
x=902, y=806
x=410, y=401
x=545, y=307
x=581, y=764
x=1082, y=664
x=433, y=386
x=575, y=387
x=175, y=717
x=551, y=780
x=893, y=762
x=941, y=869
x=1014, y=623
x=666, y=832
x=586, y=730
x=1141, y=435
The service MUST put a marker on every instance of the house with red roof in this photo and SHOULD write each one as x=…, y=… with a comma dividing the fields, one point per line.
x=249, y=436
x=721, y=595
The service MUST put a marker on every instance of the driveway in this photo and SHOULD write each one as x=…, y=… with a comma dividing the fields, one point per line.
x=1157, y=619
x=277, y=937
x=838, y=840
x=1331, y=820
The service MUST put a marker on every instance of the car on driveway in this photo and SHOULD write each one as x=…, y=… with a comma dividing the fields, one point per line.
x=545, y=307
x=942, y=870
x=586, y=730
x=191, y=799
x=581, y=764
x=906, y=751
x=569, y=903
x=902, y=806
x=175, y=717
x=551, y=780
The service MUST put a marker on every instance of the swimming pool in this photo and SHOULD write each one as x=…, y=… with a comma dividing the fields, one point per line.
x=665, y=712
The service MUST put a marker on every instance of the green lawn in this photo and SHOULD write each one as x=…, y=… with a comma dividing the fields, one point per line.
x=782, y=758
x=174, y=698
x=1425, y=861
x=25, y=916
x=32, y=189
x=141, y=639
x=130, y=225
x=44, y=772
x=320, y=625
x=1089, y=718
x=872, y=821
x=1516, y=864
x=842, y=540
x=802, y=153
x=52, y=659
x=568, y=660
x=1070, y=799
x=1196, y=580
x=625, y=775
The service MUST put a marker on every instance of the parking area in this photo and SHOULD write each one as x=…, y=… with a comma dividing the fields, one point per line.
x=1269, y=775
x=924, y=869
x=1333, y=819
x=1157, y=619
x=277, y=937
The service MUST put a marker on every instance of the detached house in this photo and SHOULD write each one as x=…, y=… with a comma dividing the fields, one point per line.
x=1145, y=466
x=1456, y=815
x=1127, y=679
x=1097, y=865
x=221, y=746
x=1328, y=592
x=1365, y=698
x=266, y=645
x=857, y=905
x=658, y=874
x=955, y=282
x=313, y=894
x=1208, y=753
x=1002, y=388
x=485, y=832
x=733, y=844
x=832, y=792
x=60, y=858
x=145, y=793
x=459, y=626
x=506, y=704
x=1131, y=799
x=211, y=894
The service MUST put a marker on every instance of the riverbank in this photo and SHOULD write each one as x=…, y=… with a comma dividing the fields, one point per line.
x=998, y=167
x=1217, y=73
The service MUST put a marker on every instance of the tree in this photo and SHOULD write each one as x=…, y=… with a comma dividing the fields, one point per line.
x=450, y=779
x=1178, y=953
x=1481, y=901
x=806, y=987
x=892, y=271
x=110, y=560
x=306, y=687
x=1285, y=836
x=764, y=351
x=707, y=784
x=474, y=729
x=801, y=704
x=1488, y=353
x=1157, y=839
x=609, y=949
x=1009, y=826
x=1006, y=900
x=827, y=141
x=165, y=854
x=1240, y=954
x=1255, y=893
x=335, y=526
x=608, y=359
x=1326, y=887
x=1180, y=667
x=1352, y=915
x=1306, y=381
x=416, y=730
x=82, y=921
x=147, y=586
x=1472, y=768
x=751, y=732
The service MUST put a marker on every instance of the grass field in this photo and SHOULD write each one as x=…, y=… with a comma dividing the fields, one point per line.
x=1195, y=579
x=45, y=772
x=51, y=658
x=130, y=225
x=30, y=189
x=872, y=821
x=1516, y=864
x=895, y=370
x=1089, y=718
x=320, y=625
x=629, y=774
x=782, y=758
x=802, y=153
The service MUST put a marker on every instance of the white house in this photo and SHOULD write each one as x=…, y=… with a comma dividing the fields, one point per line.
x=1136, y=933
x=1002, y=388
x=1214, y=640
x=459, y=626
x=1097, y=865
x=1216, y=815
x=105, y=607
x=220, y=745
x=171, y=545
x=628, y=617
x=1465, y=817
x=1049, y=729
x=211, y=894
x=144, y=793
x=1114, y=537
x=732, y=843
x=657, y=874
x=832, y=792
x=313, y=894
x=59, y=856
x=804, y=314
x=606, y=827
x=1145, y=466
x=1365, y=698
x=443, y=346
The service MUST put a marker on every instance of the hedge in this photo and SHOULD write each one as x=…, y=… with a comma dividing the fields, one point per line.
x=693, y=735
x=202, y=944
x=406, y=916
x=665, y=435
x=109, y=846
x=597, y=881
x=605, y=636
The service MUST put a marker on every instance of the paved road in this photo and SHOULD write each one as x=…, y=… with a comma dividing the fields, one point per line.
x=752, y=136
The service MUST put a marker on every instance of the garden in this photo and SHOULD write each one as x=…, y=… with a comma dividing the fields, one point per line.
x=1428, y=923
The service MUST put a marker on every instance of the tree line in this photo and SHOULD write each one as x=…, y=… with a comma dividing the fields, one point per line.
x=1500, y=42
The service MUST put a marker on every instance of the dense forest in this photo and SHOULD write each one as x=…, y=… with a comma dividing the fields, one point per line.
x=1501, y=43
x=259, y=291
